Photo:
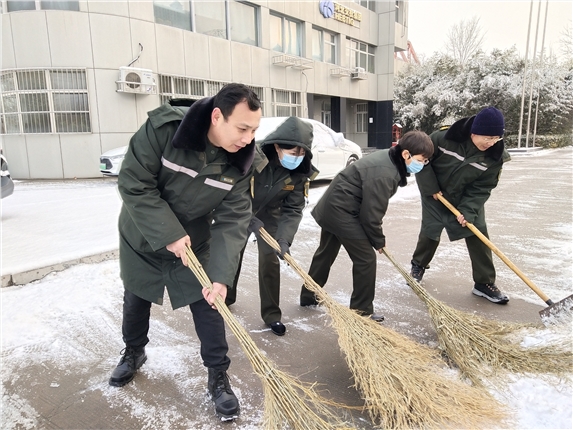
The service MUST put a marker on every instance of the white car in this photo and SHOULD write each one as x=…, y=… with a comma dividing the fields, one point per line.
x=331, y=152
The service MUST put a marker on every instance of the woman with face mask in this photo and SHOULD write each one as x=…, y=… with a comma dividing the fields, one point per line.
x=350, y=214
x=279, y=188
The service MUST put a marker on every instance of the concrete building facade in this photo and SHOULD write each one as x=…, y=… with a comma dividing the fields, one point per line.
x=78, y=77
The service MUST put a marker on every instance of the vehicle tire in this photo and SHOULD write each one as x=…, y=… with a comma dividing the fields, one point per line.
x=351, y=160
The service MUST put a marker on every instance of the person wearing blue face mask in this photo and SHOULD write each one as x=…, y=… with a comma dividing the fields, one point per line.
x=279, y=188
x=350, y=214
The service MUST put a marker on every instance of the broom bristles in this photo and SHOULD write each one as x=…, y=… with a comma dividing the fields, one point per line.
x=287, y=400
x=479, y=347
x=402, y=382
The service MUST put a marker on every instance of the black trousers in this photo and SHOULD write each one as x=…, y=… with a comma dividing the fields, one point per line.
x=209, y=326
x=483, y=270
x=363, y=259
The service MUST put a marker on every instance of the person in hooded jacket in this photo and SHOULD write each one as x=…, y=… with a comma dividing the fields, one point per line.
x=350, y=214
x=279, y=188
x=467, y=163
x=184, y=182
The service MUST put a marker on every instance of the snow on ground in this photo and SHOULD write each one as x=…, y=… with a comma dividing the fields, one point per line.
x=79, y=219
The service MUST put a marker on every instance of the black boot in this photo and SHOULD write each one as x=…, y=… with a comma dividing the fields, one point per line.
x=226, y=403
x=131, y=360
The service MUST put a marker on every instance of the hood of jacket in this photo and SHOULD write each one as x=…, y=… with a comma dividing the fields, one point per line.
x=395, y=154
x=192, y=133
x=460, y=131
x=294, y=132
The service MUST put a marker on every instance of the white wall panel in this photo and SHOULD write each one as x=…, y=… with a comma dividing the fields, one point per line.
x=8, y=59
x=69, y=38
x=80, y=155
x=111, y=40
x=220, y=59
x=16, y=154
x=30, y=37
x=44, y=156
x=170, y=50
x=196, y=63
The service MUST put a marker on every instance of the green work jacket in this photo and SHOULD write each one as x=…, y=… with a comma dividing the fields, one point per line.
x=170, y=187
x=465, y=176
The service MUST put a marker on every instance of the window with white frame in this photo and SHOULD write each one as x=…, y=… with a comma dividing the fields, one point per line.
x=362, y=118
x=361, y=54
x=323, y=46
x=179, y=87
x=16, y=5
x=286, y=35
x=36, y=101
x=369, y=4
x=230, y=19
x=286, y=103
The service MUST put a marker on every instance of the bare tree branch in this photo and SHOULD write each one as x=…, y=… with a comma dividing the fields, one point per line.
x=464, y=40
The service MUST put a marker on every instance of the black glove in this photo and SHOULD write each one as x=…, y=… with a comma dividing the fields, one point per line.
x=254, y=227
x=284, y=249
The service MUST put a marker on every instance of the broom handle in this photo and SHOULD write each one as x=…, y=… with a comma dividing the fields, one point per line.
x=497, y=252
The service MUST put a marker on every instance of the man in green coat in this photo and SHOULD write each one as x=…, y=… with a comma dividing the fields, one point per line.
x=185, y=182
x=278, y=188
x=350, y=214
x=466, y=166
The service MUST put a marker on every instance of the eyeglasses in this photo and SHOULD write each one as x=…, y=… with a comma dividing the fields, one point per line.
x=492, y=139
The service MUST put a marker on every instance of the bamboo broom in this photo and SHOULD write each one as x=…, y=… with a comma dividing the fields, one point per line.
x=478, y=346
x=287, y=400
x=403, y=383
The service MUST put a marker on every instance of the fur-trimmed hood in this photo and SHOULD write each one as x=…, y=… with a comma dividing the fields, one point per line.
x=192, y=134
x=396, y=157
x=460, y=131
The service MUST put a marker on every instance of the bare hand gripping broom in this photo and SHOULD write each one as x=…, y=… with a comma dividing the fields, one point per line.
x=286, y=399
x=402, y=382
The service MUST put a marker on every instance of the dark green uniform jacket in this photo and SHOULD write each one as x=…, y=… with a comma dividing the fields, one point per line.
x=173, y=183
x=279, y=193
x=357, y=199
x=465, y=176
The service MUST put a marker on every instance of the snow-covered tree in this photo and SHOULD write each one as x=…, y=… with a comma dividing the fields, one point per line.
x=441, y=90
x=464, y=40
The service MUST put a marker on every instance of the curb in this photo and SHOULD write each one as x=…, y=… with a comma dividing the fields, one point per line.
x=37, y=274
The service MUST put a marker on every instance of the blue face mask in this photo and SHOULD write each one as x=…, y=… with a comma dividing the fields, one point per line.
x=415, y=166
x=291, y=162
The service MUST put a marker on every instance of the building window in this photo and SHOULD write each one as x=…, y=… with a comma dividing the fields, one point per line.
x=286, y=103
x=210, y=18
x=362, y=118
x=368, y=4
x=286, y=35
x=174, y=14
x=234, y=20
x=361, y=55
x=16, y=5
x=179, y=87
x=325, y=113
x=323, y=46
x=44, y=101
x=244, y=19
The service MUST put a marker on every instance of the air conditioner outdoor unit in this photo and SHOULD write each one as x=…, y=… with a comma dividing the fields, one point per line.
x=137, y=81
x=358, y=73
